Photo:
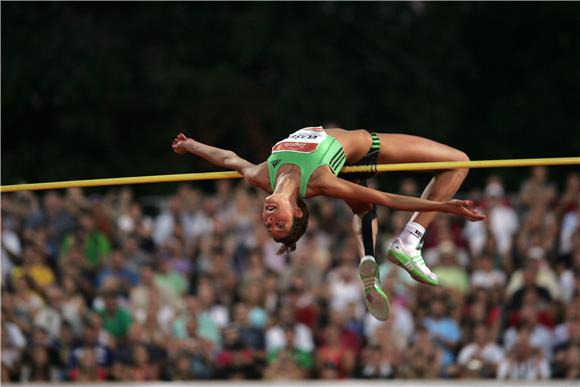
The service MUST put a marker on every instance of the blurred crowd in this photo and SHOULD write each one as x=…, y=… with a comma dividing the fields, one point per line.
x=96, y=288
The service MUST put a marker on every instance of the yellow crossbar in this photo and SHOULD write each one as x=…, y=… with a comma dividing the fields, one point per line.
x=235, y=175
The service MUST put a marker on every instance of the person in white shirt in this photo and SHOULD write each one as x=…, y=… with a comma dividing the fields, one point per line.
x=485, y=275
x=524, y=362
x=275, y=337
x=482, y=356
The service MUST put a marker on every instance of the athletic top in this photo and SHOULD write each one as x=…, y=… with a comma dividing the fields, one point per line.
x=308, y=149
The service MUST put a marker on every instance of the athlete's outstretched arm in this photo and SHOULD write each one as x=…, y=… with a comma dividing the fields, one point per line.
x=343, y=189
x=217, y=156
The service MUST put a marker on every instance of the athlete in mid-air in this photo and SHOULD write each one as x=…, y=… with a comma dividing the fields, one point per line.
x=307, y=164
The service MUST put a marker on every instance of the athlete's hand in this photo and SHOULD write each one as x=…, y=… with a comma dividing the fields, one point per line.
x=178, y=144
x=460, y=207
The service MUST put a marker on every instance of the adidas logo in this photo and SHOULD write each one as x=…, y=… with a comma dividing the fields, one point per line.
x=275, y=163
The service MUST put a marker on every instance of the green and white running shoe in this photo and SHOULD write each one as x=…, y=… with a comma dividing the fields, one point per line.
x=412, y=261
x=376, y=300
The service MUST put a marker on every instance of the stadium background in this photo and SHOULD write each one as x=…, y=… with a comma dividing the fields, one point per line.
x=99, y=90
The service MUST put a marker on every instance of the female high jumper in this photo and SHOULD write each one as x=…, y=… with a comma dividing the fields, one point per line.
x=307, y=164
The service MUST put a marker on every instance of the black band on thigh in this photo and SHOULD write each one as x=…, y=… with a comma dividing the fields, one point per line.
x=367, y=228
x=367, y=231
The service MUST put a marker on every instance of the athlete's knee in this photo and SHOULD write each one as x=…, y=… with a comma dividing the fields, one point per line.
x=461, y=156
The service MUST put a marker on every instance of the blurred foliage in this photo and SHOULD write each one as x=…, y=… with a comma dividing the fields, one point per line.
x=100, y=89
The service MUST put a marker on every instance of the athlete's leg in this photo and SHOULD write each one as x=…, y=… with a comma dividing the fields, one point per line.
x=401, y=148
x=365, y=227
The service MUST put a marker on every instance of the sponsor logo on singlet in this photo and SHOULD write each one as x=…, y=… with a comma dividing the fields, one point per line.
x=305, y=140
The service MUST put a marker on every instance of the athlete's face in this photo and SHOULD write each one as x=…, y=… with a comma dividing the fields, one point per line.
x=278, y=217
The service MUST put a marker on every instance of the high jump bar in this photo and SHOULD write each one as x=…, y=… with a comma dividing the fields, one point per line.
x=431, y=166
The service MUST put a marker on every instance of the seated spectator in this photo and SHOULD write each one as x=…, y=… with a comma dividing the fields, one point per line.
x=379, y=362
x=541, y=337
x=38, y=367
x=95, y=244
x=90, y=341
x=284, y=367
x=117, y=268
x=142, y=368
x=502, y=219
x=535, y=273
x=88, y=369
x=62, y=347
x=567, y=363
x=35, y=267
x=10, y=247
x=251, y=330
x=236, y=360
x=182, y=368
x=115, y=319
x=529, y=287
x=481, y=357
x=444, y=331
x=136, y=256
x=26, y=301
x=173, y=251
x=423, y=360
x=524, y=361
x=302, y=358
x=139, y=294
x=484, y=275
x=171, y=283
x=567, y=342
x=205, y=327
x=209, y=306
x=451, y=275
x=304, y=302
x=333, y=351
x=344, y=284
x=13, y=345
x=52, y=215
x=275, y=337
x=537, y=188
x=50, y=316
x=73, y=304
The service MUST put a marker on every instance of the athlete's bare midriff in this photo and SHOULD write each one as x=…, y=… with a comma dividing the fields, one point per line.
x=355, y=143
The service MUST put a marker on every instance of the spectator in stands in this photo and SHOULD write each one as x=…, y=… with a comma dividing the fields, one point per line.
x=451, y=275
x=423, y=360
x=95, y=244
x=116, y=267
x=115, y=319
x=379, y=362
x=524, y=361
x=275, y=337
x=485, y=275
x=88, y=369
x=302, y=358
x=37, y=367
x=283, y=367
x=444, y=332
x=481, y=357
x=34, y=266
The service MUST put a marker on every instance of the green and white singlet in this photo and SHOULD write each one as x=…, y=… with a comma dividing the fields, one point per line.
x=308, y=149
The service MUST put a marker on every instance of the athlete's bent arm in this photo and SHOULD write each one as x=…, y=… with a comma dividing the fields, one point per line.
x=343, y=189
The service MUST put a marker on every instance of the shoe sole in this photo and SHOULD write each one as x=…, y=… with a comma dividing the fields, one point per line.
x=376, y=301
x=392, y=258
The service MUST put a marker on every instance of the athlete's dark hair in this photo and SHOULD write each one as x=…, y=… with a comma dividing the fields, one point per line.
x=296, y=231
